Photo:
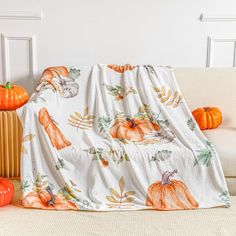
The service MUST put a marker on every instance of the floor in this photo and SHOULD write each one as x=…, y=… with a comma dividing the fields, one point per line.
x=15, y=220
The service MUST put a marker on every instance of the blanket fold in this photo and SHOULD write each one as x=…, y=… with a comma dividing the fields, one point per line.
x=109, y=137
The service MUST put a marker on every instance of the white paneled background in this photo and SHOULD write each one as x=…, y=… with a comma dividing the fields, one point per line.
x=39, y=33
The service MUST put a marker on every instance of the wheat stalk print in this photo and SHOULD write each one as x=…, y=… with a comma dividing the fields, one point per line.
x=119, y=199
x=168, y=97
x=84, y=121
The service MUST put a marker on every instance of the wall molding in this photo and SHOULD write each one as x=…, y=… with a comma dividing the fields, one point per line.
x=210, y=48
x=6, y=55
x=21, y=15
x=217, y=17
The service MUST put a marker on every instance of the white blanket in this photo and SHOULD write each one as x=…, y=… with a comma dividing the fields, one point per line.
x=111, y=137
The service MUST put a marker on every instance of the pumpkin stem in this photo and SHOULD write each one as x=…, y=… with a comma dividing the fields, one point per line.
x=133, y=124
x=166, y=177
x=8, y=85
x=206, y=108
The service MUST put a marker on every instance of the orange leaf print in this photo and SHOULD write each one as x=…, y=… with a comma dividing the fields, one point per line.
x=56, y=137
x=121, y=69
x=170, y=194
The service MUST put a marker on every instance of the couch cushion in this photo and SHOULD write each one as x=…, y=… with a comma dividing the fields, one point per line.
x=224, y=140
x=231, y=182
x=210, y=87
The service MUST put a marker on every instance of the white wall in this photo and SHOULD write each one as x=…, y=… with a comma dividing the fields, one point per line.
x=72, y=32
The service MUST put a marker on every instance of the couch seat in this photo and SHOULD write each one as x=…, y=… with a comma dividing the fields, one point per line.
x=224, y=140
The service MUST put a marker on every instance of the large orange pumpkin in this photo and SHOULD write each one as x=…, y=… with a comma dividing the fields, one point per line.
x=56, y=137
x=132, y=129
x=121, y=69
x=12, y=96
x=170, y=194
x=6, y=192
x=208, y=117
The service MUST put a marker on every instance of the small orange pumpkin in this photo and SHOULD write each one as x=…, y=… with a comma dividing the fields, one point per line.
x=56, y=137
x=208, y=117
x=132, y=129
x=45, y=196
x=6, y=192
x=53, y=71
x=121, y=69
x=48, y=75
x=170, y=194
x=12, y=96
x=34, y=200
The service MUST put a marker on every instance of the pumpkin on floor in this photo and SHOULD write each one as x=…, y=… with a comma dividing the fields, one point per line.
x=208, y=117
x=12, y=96
x=6, y=192
x=170, y=194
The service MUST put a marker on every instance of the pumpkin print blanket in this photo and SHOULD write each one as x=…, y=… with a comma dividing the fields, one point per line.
x=109, y=137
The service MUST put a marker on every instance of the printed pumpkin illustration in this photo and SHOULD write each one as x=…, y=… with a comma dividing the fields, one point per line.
x=66, y=85
x=170, y=194
x=45, y=199
x=55, y=135
x=133, y=129
x=121, y=69
x=51, y=72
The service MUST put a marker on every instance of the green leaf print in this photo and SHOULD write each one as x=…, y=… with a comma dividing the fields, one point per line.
x=225, y=197
x=103, y=155
x=104, y=124
x=119, y=92
x=74, y=73
x=161, y=155
x=205, y=156
x=191, y=124
x=25, y=184
x=60, y=164
x=116, y=91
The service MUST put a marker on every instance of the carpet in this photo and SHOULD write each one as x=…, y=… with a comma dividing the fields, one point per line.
x=15, y=220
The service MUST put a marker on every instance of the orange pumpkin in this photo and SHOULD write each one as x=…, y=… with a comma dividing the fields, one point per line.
x=132, y=129
x=49, y=74
x=54, y=71
x=121, y=69
x=170, y=194
x=34, y=200
x=45, y=196
x=56, y=137
x=6, y=192
x=12, y=96
x=208, y=117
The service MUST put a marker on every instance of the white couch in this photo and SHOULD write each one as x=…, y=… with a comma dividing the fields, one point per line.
x=215, y=87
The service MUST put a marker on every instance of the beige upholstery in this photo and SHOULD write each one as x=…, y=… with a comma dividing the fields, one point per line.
x=210, y=87
x=215, y=87
x=224, y=140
